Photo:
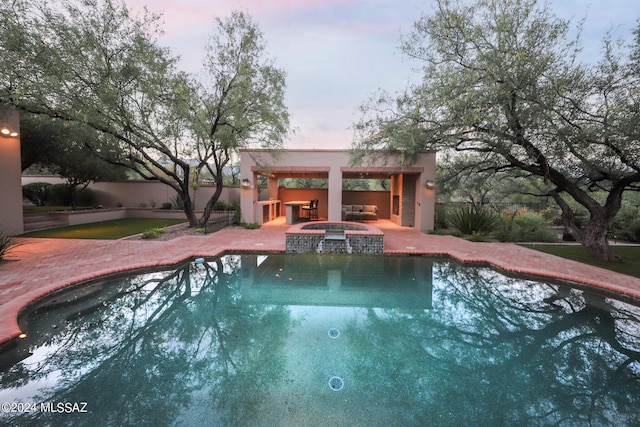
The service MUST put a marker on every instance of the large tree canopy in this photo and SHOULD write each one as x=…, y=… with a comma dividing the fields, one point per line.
x=94, y=63
x=503, y=80
x=65, y=149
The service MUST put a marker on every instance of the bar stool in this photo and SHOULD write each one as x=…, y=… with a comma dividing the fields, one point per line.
x=311, y=210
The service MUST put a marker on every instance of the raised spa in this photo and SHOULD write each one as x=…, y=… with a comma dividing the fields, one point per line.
x=335, y=238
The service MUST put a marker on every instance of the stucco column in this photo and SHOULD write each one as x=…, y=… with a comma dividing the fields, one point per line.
x=10, y=173
x=272, y=188
x=425, y=194
x=248, y=188
x=335, y=194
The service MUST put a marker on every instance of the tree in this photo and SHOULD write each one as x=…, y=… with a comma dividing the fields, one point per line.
x=91, y=62
x=240, y=104
x=36, y=143
x=64, y=149
x=467, y=178
x=502, y=79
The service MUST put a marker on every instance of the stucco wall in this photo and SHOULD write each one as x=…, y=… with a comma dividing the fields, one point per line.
x=153, y=194
x=10, y=190
x=135, y=194
x=382, y=199
x=51, y=179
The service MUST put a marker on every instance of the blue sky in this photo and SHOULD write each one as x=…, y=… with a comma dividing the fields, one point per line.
x=338, y=53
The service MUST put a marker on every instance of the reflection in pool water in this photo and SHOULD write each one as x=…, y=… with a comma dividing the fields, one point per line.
x=246, y=340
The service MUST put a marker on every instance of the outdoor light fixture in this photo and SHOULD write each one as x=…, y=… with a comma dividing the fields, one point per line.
x=6, y=132
x=246, y=183
x=430, y=184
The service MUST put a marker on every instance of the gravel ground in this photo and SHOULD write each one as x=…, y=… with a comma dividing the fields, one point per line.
x=172, y=232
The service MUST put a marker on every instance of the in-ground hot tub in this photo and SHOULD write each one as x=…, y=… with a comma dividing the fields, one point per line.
x=332, y=237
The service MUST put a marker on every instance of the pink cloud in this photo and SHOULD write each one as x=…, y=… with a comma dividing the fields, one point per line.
x=262, y=7
x=178, y=14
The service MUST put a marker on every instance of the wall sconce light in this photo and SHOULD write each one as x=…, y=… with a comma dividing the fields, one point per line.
x=6, y=132
x=245, y=183
x=430, y=184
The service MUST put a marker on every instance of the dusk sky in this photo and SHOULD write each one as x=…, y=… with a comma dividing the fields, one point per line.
x=338, y=53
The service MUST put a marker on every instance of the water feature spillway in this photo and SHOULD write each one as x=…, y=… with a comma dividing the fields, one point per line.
x=335, y=238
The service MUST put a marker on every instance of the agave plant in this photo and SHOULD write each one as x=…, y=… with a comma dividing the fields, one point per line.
x=472, y=220
x=7, y=242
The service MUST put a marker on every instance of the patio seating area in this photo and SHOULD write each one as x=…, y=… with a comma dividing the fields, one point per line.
x=41, y=266
x=359, y=212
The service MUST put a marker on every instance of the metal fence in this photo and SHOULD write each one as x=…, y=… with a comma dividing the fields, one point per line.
x=501, y=207
x=219, y=220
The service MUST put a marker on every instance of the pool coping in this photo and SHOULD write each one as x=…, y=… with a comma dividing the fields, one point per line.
x=365, y=229
x=40, y=267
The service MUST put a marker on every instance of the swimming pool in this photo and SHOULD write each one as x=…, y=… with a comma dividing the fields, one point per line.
x=291, y=339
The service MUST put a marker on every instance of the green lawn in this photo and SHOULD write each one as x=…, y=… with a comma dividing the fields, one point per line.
x=104, y=230
x=629, y=254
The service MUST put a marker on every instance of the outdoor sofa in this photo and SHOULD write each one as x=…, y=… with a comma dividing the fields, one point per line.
x=359, y=212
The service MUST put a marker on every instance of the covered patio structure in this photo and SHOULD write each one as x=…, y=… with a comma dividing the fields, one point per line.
x=409, y=201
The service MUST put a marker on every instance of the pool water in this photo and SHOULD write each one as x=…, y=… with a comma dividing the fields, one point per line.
x=319, y=340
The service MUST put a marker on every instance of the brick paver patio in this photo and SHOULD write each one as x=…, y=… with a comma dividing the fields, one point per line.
x=40, y=266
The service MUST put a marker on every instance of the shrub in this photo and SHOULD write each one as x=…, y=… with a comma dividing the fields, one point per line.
x=251, y=225
x=36, y=192
x=7, y=242
x=525, y=227
x=85, y=197
x=440, y=216
x=152, y=233
x=237, y=217
x=221, y=205
x=470, y=219
x=477, y=237
x=166, y=206
x=626, y=225
x=177, y=202
x=554, y=214
x=60, y=195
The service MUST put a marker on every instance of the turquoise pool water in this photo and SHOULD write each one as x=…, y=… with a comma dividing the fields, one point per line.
x=318, y=340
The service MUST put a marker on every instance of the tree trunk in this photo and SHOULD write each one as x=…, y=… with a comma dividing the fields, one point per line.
x=594, y=239
x=594, y=235
x=189, y=208
x=73, y=194
x=211, y=202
